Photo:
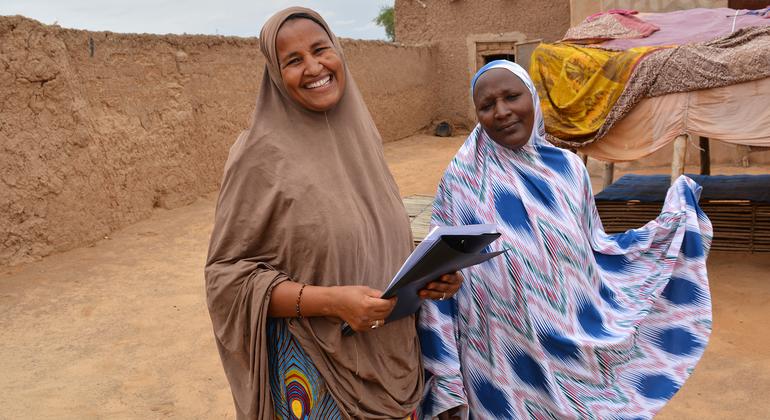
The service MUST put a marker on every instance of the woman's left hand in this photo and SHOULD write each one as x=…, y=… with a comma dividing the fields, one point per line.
x=443, y=287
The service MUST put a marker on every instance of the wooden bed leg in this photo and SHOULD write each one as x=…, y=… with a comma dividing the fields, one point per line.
x=607, y=178
x=744, y=152
x=705, y=156
x=680, y=155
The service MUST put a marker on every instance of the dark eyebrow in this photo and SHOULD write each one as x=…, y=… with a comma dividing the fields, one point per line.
x=293, y=54
x=287, y=57
x=482, y=101
x=319, y=43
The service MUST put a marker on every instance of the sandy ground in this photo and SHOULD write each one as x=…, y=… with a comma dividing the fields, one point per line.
x=120, y=329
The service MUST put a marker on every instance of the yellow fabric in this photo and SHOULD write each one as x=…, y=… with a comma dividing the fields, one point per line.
x=578, y=86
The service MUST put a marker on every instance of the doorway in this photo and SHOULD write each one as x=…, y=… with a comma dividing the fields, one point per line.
x=492, y=57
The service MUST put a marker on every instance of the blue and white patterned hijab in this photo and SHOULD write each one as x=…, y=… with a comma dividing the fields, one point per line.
x=538, y=134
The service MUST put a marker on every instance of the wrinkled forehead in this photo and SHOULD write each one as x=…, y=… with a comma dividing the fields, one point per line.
x=299, y=28
x=497, y=80
x=506, y=65
x=301, y=18
x=269, y=33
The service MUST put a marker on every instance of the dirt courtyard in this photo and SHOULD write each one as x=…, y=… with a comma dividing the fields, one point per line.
x=120, y=329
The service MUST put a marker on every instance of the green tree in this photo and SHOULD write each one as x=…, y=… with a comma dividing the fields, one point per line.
x=385, y=19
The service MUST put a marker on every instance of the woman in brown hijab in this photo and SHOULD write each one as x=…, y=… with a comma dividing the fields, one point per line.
x=309, y=230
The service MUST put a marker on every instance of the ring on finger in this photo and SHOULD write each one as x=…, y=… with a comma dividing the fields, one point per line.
x=376, y=324
x=443, y=296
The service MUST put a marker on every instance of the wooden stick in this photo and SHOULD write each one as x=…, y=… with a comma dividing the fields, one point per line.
x=744, y=151
x=680, y=154
x=705, y=156
x=609, y=170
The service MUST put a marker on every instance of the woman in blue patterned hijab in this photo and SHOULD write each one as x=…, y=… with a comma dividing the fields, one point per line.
x=571, y=322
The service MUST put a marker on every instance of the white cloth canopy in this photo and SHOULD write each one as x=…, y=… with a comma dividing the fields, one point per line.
x=738, y=114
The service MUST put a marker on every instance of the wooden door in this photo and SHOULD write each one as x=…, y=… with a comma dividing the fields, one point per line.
x=748, y=4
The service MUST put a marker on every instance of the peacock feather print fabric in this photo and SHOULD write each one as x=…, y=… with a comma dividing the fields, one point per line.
x=298, y=389
x=571, y=322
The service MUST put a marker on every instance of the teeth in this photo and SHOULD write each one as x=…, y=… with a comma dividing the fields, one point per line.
x=319, y=83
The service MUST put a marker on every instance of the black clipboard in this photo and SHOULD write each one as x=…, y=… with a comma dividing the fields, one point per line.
x=448, y=254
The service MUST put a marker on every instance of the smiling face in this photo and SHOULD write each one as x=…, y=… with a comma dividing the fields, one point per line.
x=311, y=69
x=504, y=108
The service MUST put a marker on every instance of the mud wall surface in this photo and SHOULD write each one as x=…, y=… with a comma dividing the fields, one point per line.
x=450, y=24
x=98, y=128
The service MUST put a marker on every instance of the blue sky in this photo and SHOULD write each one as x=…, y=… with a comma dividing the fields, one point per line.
x=347, y=18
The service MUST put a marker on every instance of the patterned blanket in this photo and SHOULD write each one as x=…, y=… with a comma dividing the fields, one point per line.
x=579, y=86
x=614, y=24
x=740, y=57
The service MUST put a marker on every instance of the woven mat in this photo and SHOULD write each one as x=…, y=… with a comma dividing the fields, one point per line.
x=419, y=208
x=738, y=206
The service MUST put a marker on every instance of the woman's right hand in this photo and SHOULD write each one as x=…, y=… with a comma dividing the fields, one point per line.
x=361, y=307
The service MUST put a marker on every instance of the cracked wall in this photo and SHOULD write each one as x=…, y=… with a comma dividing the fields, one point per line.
x=97, y=129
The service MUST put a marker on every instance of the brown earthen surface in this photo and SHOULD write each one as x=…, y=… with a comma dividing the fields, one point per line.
x=98, y=128
x=120, y=329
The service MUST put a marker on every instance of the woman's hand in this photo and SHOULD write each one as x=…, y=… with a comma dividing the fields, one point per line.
x=362, y=308
x=443, y=287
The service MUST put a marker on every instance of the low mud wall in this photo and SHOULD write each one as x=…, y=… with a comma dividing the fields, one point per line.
x=97, y=129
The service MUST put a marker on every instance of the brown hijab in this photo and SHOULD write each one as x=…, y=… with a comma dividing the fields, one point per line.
x=307, y=197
